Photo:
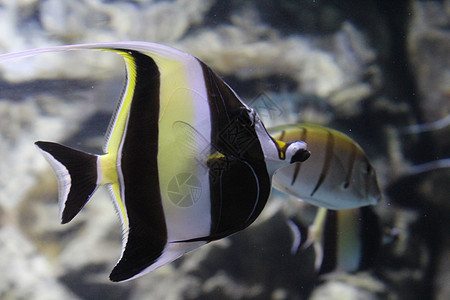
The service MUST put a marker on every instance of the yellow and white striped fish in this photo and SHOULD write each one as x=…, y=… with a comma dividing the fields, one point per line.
x=346, y=240
x=176, y=118
x=338, y=175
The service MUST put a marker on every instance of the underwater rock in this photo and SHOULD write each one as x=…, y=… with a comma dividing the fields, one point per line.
x=333, y=65
x=336, y=290
x=429, y=50
x=327, y=69
x=34, y=24
x=164, y=21
x=429, y=54
x=32, y=239
x=26, y=274
x=22, y=122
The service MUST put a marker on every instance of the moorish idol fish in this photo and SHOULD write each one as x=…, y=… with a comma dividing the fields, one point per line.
x=338, y=175
x=186, y=161
x=343, y=240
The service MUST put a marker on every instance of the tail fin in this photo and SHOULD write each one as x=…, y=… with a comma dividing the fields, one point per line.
x=76, y=172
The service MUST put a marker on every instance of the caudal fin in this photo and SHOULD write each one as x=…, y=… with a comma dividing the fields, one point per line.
x=76, y=172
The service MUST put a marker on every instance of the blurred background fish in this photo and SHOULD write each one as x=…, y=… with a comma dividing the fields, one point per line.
x=338, y=175
x=343, y=240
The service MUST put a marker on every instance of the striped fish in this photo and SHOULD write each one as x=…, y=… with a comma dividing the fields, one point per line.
x=338, y=175
x=186, y=161
x=344, y=240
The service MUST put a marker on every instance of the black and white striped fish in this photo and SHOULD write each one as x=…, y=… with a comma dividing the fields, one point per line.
x=338, y=175
x=186, y=161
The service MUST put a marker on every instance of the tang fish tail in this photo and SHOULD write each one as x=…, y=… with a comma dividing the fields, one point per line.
x=77, y=176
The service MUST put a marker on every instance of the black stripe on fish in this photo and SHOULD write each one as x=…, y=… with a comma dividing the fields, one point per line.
x=369, y=236
x=147, y=235
x=283, y=133
x=351, y=162
x=367, y=177
x=239, y=190
x=327, y=162
x=303, y=137
x=330, y=243
x=368, y=240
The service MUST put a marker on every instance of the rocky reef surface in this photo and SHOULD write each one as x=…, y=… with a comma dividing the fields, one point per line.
x=375, y=70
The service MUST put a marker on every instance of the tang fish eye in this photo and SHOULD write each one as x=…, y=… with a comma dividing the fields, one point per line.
x=300, y=156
